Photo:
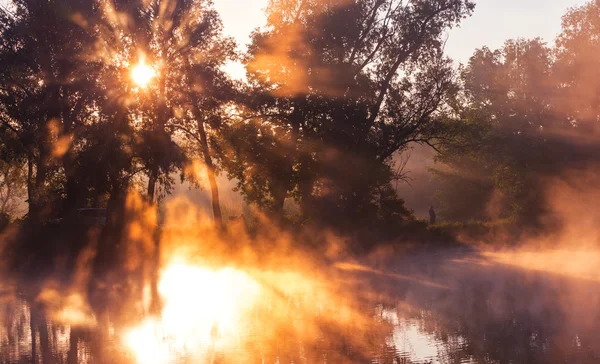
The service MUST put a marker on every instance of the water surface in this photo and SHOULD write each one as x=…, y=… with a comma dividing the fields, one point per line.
x=450, y=306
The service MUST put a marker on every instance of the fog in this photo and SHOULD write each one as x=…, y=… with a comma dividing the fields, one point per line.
x=356, y=197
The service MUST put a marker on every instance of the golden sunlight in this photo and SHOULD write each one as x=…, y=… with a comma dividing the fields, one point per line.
x=142, y=74
x=203, y=308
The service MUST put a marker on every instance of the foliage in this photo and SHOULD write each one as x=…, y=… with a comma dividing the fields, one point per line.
x=507, y=139
x=528, y=112
x=12, y=188
x=577, y=67
x=335, y=90
x=69, y=111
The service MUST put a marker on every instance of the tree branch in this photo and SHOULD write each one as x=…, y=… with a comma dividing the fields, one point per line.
x=401, y=58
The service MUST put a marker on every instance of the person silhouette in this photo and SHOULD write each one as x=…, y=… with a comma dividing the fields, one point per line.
x=431, y=215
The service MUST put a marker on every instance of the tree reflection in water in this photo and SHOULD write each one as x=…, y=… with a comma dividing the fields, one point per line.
x=457, y=308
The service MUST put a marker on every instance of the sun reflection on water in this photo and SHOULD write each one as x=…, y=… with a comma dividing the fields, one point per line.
x=203, y=309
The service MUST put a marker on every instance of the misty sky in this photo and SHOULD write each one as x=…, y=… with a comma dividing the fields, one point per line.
x=493, y=22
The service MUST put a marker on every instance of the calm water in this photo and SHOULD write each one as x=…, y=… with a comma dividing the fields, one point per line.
x=434, y=307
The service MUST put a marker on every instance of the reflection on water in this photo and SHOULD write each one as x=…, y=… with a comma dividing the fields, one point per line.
x=456, y=307
x=204, y=311
x=15, y=331
x=414, y=344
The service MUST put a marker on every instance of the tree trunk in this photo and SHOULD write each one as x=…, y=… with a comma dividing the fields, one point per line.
x=29, y=180
x=35, y=183
x=210, y=168
x=279, y=196
x=286, y=185
x=152, y=179
x=158, y=128
x=68, y=159
x=72, y=199
x=306, y=185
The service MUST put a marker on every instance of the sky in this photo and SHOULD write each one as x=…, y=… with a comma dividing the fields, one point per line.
x=493, y=22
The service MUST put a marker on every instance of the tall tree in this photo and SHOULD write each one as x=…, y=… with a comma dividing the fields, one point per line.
x=337, y=88
x=204, y=88
x=183, y=41
x=46, y=87
x=577, y=68
x=512, y=135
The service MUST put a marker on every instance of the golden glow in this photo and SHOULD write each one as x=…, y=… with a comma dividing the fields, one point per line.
x=580, y=264
x=211, y=310
x=142, y=74
x=203, y=308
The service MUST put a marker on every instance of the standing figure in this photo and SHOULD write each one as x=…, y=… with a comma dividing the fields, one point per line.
x=431, y=215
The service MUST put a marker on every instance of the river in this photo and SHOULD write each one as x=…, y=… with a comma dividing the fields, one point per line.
x=446, y=306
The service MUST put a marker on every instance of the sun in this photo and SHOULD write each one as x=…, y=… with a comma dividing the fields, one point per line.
x=142, y=74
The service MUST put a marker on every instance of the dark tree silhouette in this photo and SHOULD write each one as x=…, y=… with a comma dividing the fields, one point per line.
x=47, y=88
x=204, y=89
x=336, y=89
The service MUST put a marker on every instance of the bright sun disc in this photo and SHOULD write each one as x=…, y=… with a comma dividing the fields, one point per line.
x=142, y=74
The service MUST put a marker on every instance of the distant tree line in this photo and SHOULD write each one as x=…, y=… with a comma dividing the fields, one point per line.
x=526, y=112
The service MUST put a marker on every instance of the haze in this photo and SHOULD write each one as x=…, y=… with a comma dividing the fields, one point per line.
x=360, y=181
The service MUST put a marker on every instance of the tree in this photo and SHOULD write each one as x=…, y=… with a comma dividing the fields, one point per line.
x=510, y=137
x=577, y=68
x=152, y=31
x=12, y=188
x=204, y=88
x=183, y=41
x=22, y=84
x=46, y=87
x=336, y=89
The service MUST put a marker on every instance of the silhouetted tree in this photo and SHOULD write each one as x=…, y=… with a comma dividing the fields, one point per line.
x=577, y=68
x=203, y=88
x=183, y=42
x=513, y=134
x=506, y=116
x=47, y=87
x=336, y=89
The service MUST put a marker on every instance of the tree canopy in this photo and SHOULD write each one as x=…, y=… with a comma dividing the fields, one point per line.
x=335, y=92
x=528, y=112
x=336, y=89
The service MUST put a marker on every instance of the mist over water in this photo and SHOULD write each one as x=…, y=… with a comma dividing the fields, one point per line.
x=306, y=246
x=453, y=305
x=237, y=298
